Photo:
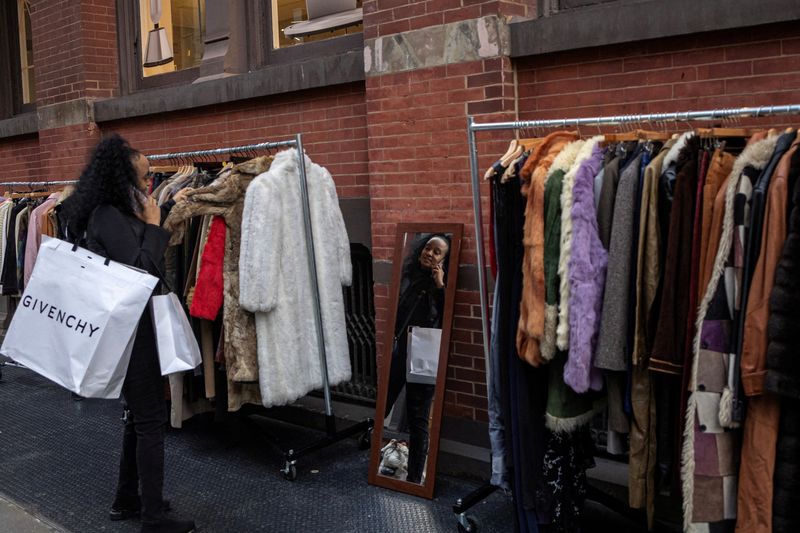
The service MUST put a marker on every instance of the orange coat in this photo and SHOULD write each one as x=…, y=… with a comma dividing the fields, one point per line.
x=531, y=321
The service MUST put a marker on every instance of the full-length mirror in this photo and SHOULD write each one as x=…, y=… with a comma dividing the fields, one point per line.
x=412, y=369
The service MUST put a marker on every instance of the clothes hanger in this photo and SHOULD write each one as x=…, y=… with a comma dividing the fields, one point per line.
x=511, y=170
x=492, y=170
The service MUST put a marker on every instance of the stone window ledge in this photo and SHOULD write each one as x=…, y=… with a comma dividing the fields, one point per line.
x=23, y=124
x=626, y=21
x=337, y=69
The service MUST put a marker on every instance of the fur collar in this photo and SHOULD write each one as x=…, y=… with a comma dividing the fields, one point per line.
x=255, y=166
x=672, y=155
x=566, y=157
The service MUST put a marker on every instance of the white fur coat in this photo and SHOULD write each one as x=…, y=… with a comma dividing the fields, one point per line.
x=276, y=284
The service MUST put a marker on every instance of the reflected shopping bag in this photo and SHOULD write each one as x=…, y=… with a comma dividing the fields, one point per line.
x=422, y=361
x=177, y=346
x=76, y=321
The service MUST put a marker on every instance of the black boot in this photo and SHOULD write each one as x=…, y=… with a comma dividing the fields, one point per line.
x=169, y=526
x=124, y=510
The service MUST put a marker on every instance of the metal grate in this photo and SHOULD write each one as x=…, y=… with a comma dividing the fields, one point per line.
x=360, y=315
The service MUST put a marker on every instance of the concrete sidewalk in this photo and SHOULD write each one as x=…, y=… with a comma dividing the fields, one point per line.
x=15, y=519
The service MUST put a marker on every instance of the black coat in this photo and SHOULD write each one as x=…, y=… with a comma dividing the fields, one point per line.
x=126, y=239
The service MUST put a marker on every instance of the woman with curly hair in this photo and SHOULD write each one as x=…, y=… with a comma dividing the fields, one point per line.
x=111, y=214
x=421, y=303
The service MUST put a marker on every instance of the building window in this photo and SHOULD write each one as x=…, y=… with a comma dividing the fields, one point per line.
x=26, y=51
x=171, y=33
x=330, y=18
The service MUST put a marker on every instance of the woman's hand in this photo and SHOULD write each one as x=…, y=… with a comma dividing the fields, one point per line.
x=438, y=275
x=151, y=213
x=180, y=196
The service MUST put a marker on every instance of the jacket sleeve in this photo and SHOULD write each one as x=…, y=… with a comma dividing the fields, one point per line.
x=260, y=248
x=339, y=228
x=113, y=232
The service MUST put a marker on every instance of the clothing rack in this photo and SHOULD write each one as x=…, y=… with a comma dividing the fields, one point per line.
x=481, y=493
x=36, y=183
x=28, y=184
x=331, y=434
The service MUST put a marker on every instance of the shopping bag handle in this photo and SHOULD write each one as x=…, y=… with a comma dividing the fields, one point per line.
x=106, y=262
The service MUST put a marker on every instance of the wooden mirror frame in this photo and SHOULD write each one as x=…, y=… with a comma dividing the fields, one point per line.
x=425, y=490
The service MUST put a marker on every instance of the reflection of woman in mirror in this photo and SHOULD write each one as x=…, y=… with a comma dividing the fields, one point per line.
x=421, y=303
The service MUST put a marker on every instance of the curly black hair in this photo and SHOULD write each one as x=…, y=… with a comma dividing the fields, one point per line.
x=108, y=178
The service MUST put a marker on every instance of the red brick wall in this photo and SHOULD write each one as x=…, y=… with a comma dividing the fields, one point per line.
x=751, y=67
x=419, y=172
x=74, y=49
x=64, y=151
x=20, y=156
x=99, y=48
x=387, y=17
x=332, y=121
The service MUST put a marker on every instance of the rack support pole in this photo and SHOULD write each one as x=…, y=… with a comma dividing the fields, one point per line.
x=312, y=270
x=476, y=205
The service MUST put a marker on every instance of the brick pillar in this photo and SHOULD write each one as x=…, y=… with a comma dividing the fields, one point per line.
x=429, y=65
x=75, y=55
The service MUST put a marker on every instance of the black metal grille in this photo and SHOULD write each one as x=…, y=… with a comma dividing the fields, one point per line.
x=360, y=314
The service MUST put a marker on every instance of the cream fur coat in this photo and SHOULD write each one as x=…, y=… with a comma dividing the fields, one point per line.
x=276, y=284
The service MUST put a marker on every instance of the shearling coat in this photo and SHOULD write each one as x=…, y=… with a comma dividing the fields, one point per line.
x=276, y=282
x=709, y=457
x=532, y=305
x=225, y=197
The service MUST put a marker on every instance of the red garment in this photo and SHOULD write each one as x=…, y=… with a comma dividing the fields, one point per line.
x=208, y=292
x=492, y=249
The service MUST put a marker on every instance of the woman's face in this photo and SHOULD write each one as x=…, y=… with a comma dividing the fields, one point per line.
x=142, y=167
x=434, y=253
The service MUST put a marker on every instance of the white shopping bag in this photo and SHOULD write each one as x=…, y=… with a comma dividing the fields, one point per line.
x=422, y=357
x=177, y=346
x=76, y=321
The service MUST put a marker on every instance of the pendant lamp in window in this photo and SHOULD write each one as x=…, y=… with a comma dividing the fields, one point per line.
x=158, y=51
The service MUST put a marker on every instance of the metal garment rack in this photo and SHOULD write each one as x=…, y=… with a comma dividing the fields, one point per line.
x=331, y=434
x=28, y=184
x=36, y=183
x=465, y=503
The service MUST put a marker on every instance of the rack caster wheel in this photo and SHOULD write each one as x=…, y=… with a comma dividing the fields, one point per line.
x=289, y=472
x=466, y=525
x=365, y=441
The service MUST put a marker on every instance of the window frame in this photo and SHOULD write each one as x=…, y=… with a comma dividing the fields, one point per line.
x=130, y=49
x=255, y=26
x=10, y=68
x=262, y=52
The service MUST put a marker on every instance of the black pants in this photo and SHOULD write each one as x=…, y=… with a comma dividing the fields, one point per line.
x=419, y=398
x=142, y=459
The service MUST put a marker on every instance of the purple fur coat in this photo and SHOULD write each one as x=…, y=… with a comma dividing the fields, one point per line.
x=587, y=275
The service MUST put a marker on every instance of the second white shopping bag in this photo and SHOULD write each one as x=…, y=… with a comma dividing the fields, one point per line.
x=77, y=318
x=177, y=346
